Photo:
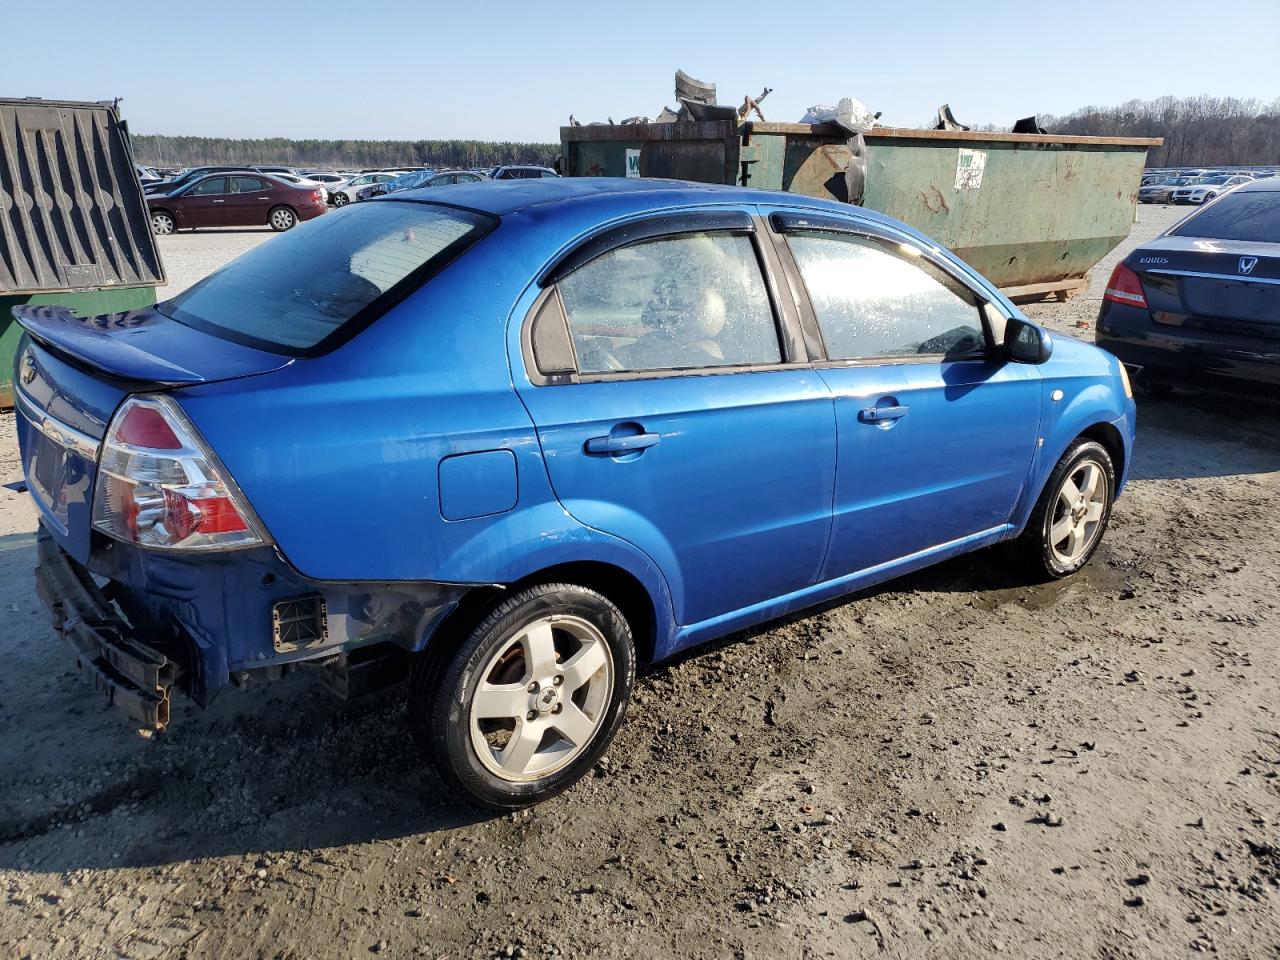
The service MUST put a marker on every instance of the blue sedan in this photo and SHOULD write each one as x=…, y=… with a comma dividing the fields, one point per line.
x=512, y=446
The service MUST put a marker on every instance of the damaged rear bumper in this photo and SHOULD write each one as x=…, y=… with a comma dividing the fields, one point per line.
x=161, y=623
x=134, y=677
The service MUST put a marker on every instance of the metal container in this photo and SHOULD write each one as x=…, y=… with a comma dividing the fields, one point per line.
x=1032, y=212
x=74, y=226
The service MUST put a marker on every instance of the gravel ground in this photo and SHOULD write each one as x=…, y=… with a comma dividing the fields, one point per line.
x=953, y=765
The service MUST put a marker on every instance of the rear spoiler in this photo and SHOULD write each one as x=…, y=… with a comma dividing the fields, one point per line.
x=142, y=346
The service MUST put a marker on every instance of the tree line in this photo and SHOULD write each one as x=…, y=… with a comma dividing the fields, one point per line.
x=1197, y=131
x=164, y=151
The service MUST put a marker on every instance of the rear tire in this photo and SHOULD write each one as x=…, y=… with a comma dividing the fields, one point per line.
x=282, y=218
x=1071, y=515
x=340, y=199
x=531, y=698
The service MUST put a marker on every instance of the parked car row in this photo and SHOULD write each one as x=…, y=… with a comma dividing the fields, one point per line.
x=1192, y=188
x=222, y=196
x=340, y=188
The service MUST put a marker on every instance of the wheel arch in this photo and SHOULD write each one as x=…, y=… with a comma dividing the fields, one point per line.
x=620, y=586
x=1107, y=435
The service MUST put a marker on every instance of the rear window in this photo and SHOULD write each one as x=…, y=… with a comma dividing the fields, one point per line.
x=1252, y=216
x=292, y=293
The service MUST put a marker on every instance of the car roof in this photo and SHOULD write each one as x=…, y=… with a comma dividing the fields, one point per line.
x=1266, y=185
x=629, y=194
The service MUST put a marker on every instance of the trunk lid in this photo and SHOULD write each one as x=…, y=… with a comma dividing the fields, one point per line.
x=70, y=377
x=1223, y=287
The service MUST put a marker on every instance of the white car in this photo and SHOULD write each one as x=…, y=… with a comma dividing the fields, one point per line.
x=1209, y=188
x=346, y=193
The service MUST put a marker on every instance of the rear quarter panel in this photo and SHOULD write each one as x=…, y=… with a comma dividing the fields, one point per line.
x=341, y=455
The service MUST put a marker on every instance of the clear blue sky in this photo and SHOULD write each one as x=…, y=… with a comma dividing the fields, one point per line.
x=493, y=70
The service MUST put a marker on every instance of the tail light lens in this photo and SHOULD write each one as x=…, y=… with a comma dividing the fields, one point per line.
x=1125, y=287
x=158, y=485
x=317, y=195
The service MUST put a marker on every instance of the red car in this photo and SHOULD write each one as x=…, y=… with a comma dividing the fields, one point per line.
x=246, y=199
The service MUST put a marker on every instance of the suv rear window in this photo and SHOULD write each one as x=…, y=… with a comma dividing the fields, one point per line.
x=291, y=294
x=1252, y=216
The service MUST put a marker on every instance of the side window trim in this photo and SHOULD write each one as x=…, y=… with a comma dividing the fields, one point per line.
x=648, y=228
x=548, y=308
x=784, y=225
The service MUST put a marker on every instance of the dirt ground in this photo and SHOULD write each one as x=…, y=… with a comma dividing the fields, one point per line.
x=953, y=765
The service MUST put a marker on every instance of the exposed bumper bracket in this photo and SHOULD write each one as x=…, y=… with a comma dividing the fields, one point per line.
x=134, y=677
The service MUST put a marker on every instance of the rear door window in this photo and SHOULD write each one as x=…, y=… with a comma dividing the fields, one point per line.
x=677, y=303
x=210, y=187
x=875, y=300
x=292, y=294
x=247, y=185
x=1252, y=216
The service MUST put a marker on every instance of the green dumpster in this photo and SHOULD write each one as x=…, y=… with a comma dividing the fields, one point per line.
x=74, y=227
x=1032, y=212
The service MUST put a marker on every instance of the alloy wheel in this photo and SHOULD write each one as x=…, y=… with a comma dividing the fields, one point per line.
x=161, y=224
x=282, y=219
x=1078, y=510
x=541, y=698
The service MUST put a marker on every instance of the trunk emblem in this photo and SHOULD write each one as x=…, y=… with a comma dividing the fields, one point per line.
x=28, y=368
x=1247, y=264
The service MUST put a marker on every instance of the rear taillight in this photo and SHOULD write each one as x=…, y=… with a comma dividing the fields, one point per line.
x=317, y=195
x=1125, y=287
x=159, y=487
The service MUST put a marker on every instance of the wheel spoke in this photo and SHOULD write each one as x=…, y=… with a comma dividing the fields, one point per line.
x=574, y=724
x=1075, y=541
x=584, y=664
x=521, y=747
x=1094, y=513
x=1070, y=494
x=1089, y=482
x=539, y=650
x=494, y=701
x=1059, y=531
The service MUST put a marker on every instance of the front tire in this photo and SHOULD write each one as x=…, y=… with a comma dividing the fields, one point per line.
x=530, y=700
x=282, y=219
x=340, y=199
x=1071, y=515
x=162, y=223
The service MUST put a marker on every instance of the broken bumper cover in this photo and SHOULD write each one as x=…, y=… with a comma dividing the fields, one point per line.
x=134, y=677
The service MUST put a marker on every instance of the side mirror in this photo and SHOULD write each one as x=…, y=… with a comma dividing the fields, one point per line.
x=1026, y=343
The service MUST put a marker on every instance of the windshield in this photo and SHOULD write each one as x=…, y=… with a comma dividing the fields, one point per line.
x=1252, y=216
x=292, y=293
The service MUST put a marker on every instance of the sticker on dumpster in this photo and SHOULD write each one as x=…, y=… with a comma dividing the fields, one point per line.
x=969, y=167
x=633, y=163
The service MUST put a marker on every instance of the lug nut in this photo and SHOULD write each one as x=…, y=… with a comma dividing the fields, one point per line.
x=558, y=680
x=533, y=687
x=531, y=715
x=557, y=708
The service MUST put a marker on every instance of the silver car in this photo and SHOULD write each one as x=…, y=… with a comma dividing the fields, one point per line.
x=1208, y=188
x=1162, y=192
